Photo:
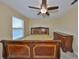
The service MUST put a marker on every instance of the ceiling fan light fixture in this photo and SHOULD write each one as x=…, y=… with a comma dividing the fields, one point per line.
x=43, y=10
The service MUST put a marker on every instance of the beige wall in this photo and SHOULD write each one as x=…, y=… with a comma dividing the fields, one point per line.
x=6, y=14
x=68, y=24
x=43, y=23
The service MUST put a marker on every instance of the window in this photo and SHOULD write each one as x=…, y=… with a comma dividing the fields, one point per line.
x=17, y=28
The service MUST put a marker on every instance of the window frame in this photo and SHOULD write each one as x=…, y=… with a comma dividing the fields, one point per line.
x=19, y=38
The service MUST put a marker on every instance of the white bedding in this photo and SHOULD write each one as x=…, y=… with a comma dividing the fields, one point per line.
x=38, y=37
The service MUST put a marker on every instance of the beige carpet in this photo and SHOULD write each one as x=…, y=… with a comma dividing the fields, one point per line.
x=68, y=55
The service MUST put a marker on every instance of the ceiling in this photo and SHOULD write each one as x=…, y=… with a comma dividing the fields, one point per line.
x=22, y=7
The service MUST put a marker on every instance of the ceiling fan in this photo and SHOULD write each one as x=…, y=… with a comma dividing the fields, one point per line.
x=43, y=8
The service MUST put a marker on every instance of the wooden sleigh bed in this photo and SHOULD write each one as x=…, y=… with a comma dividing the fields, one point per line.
x=32, y=49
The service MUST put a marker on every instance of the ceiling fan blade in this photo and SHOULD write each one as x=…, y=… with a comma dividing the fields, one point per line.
x=52, y=8
x=74, y=2
x=33, y=7
x=39, y=13
x=47, y=13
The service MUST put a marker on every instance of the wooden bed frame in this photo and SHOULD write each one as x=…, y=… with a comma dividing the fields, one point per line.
x=40, y=30
x=29, y=49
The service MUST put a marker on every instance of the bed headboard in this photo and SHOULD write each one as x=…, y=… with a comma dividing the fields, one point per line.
x=39, y=30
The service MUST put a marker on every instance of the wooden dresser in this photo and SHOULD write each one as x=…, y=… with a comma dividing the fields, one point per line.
x=66, y=41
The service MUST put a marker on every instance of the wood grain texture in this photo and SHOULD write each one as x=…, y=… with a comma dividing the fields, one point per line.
x=40, y=30
x=66, y=41
x=31, y=49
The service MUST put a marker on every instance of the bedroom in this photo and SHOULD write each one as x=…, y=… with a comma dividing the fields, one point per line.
x=67, y=23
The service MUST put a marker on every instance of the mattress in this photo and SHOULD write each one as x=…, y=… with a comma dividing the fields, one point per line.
x=38, y=37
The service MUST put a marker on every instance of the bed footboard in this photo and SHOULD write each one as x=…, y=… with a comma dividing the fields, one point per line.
x=31, y=49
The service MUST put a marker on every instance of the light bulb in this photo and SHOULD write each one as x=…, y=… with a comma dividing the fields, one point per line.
x=43, y=10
